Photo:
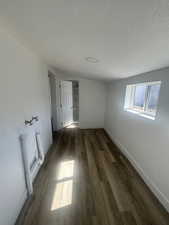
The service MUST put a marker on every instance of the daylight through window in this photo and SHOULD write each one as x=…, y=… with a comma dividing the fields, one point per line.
x=143, y=98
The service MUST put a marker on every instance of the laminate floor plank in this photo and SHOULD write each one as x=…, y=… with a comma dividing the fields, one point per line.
x=86, y=180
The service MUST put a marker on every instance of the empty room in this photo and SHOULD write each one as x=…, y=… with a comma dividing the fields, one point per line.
x=84, y=112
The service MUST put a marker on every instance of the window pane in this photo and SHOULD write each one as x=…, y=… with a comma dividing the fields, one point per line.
x=139, y=97
x=153, y=97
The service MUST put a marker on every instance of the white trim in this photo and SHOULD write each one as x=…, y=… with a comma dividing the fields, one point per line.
x=161, y=196
x=140, y=114
x=145, y=83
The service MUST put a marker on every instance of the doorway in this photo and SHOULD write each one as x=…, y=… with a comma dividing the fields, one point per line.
x=75, y=88
x=70, y=102
x=66, y=91
x=64, y=103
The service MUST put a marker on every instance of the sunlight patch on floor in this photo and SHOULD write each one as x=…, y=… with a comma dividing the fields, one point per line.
x=66, y=170
x=73, y=125
x=63, y=191
x=63, y=195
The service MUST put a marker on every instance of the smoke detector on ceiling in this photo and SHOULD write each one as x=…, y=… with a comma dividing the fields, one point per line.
x=91, y=60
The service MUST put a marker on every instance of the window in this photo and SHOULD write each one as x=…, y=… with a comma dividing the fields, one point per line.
x=143, y=98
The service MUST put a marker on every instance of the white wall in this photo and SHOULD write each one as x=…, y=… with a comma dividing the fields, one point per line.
x=24, y=91
x=144, y=141
x=92, y=100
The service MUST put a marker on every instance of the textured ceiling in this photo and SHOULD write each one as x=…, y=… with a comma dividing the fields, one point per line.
x=127, y=37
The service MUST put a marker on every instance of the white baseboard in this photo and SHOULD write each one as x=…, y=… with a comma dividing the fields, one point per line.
x=161, y=197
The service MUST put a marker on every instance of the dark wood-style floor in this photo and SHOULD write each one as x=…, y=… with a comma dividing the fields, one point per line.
x=87, y=181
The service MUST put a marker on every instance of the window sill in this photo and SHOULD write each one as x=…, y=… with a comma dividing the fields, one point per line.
x=141, y=114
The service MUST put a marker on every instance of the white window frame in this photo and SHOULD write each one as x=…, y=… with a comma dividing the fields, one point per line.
x=129, y=100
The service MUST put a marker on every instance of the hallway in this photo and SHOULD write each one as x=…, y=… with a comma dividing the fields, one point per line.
x=85, y=180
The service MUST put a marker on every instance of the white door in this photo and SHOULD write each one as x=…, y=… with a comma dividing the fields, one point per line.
x=58, y=114
x=66, y=102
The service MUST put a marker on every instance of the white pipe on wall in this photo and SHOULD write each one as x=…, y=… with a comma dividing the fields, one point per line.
x=24, y=147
